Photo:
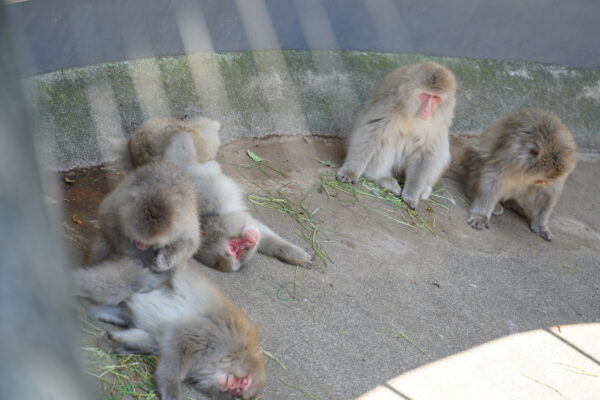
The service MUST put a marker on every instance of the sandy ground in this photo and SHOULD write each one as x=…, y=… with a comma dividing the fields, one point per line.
x=404, y=313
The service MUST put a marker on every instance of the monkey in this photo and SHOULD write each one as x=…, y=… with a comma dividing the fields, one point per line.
x=522, y=161
x=102, y=288
x=199, y=335
x=149, y=141
x=404, y=129
x=150, y=215
x=230, y=235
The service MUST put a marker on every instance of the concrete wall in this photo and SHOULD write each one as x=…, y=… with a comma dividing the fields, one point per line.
x=58, y=34
x=86, y=114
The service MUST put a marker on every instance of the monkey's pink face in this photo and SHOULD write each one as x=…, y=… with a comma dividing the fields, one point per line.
x=233, y=385
x=239, y=245
x=428, y=104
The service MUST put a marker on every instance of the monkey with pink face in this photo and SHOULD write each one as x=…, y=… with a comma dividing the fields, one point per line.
x=403, y=129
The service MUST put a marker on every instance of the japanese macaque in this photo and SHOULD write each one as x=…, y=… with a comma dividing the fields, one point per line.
x=230, y=235
x=151, y=215
x=404, y=129
x=200, y=336
x=523, y=159
x=149, y=141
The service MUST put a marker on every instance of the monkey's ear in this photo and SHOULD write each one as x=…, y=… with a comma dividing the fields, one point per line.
x=534, y=152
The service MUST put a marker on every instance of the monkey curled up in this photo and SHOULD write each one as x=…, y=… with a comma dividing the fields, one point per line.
x=151, y=215
x=521, y=161
x=404, y=129
x=199, y=335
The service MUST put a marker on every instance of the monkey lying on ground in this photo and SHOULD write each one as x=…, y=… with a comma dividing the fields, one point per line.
x=149, y=141
x=404, y=128
x=524, y=159
x=230, y=235
x=151, y=215
x=199, y=335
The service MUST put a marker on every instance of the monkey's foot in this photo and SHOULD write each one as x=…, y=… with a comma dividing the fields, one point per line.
x=543, y=232
x=426, y=193
x=477, y=222
x=107, y=344
x=346, y=176
x=498, y=210
x=390, y=184
x=296, y=256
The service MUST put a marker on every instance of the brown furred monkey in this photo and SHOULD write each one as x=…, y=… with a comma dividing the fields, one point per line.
x=404, y=128
x=199, y=335
x=149, y=141
x=151, y=215
x=524, y=159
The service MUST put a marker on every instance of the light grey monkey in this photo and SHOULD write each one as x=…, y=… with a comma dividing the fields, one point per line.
x=404, y=129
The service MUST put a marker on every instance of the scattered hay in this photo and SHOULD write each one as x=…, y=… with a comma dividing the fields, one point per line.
x=388, y=205
x=123, y=376
x=403, y=336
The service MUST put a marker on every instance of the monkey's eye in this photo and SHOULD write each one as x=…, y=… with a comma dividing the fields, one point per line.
x=534, y=152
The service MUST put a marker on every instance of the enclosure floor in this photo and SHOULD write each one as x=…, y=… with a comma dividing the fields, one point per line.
x=403, y=312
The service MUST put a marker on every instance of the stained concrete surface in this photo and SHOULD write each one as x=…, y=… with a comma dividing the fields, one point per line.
x=403, y=312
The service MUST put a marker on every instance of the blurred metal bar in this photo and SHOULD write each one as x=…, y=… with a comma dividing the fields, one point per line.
x=37, y=336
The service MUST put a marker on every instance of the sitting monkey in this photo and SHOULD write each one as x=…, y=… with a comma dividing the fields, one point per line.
x=522, y=160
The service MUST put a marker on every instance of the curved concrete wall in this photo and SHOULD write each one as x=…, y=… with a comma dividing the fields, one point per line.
x=87, y=113
x=58, y=34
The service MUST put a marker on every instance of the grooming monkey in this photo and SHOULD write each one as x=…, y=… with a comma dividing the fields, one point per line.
x=199, y=335
x=404, y=128
x=230, y=235
x=150, y=215
x=523, y=159
x=149, y=141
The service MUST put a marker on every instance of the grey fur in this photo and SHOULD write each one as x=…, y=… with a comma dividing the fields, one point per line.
x=154, y=205
x=518, y=150
x=149, y=141
x=389, y=139
x=198, y=334
x=224, y=216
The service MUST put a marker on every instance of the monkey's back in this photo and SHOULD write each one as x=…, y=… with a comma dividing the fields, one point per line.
x=510, y=140
x=149, y=141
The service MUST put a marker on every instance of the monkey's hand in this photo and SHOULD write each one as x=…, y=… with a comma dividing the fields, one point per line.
x=346, y=176
x=477, y=222
x=544, y=232
x=164, y=261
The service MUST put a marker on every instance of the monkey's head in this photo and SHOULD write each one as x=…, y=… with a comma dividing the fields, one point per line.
x=543, y=146
x=228, y=241
x=433, y=90
x=149, y=220
x=239, y=369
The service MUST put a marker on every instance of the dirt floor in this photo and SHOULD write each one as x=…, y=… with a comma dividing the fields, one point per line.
x=387, y=298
